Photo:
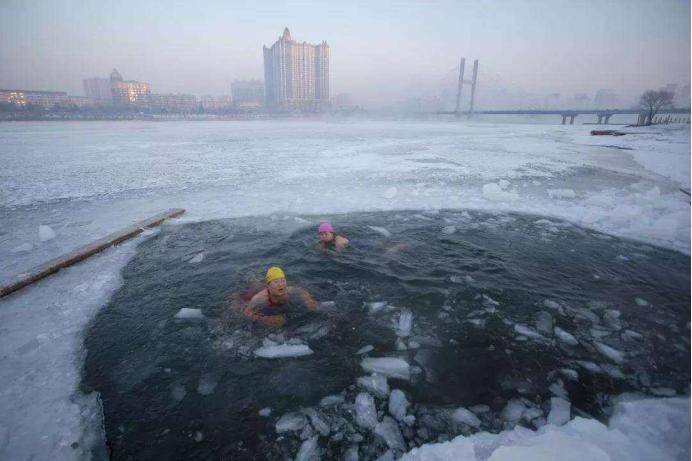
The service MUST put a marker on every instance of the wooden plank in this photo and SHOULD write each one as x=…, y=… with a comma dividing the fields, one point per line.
x=80, y=254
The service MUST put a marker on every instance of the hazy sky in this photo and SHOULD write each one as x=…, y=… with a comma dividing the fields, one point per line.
x=382, y=51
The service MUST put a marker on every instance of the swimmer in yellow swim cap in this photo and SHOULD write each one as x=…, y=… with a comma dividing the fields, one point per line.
x=268, y=305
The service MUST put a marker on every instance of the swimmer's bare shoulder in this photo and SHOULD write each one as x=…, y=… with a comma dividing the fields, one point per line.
x=304, y=296
x=340, y=242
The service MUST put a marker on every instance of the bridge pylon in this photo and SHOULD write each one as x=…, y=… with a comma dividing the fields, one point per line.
x=474, y=78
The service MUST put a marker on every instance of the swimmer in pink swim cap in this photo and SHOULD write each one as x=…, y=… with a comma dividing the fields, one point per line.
x=328, y=238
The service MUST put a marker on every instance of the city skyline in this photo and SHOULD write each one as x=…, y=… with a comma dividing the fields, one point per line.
x=382, y=53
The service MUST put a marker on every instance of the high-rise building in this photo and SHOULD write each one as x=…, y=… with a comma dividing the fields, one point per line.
x=128, y=91
x=98, y=89
x=247, y=94
x=296, y=75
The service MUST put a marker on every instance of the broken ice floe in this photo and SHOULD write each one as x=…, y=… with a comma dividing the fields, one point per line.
x=198, y=258
x=381, y=230
x=392, y=367
x=375, y=384
x=283, y=351
x=189, y=314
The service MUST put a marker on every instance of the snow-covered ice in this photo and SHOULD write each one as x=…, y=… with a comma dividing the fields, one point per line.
x=638, y=430
x=55, y=183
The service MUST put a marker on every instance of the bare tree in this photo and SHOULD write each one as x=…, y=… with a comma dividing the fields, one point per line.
x=653, y=101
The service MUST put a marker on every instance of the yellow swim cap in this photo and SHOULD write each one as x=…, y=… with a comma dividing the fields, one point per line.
x=274, y=273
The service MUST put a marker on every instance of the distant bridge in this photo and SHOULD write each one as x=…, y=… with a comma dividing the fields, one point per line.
x=602, y=114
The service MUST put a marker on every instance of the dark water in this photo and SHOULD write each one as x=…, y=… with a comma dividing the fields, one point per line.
x=186, y=389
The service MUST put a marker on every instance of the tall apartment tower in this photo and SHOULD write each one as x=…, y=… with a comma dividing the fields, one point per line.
x=296, y=75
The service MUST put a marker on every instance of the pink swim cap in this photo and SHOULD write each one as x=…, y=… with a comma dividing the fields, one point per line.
x=325, y=227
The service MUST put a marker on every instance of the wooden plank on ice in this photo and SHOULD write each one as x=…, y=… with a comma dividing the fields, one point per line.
x=54, y=265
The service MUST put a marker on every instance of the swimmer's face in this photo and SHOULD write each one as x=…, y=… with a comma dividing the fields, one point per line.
x=277, y=287
x=326, y=237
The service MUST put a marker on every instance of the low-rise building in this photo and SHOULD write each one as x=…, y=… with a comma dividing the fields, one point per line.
x=214, y=103
x=173, y=102
x=23, y=98
x=247, y=94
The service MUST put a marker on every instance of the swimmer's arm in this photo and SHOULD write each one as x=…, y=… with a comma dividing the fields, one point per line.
x=306, y=299
x=251, y=311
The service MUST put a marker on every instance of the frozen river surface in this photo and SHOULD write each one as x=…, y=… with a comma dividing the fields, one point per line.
x=64, y=184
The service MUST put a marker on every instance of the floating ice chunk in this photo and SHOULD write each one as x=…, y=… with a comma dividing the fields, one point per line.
x=189, y=314
x=612, y=319
x=550, y=304
x=22, y=248
x=561, y=193
x=599, y=333
x=559, y=411
x=398, y=404
x=331, y=400
x=283, y=350
x=641, y=301
x=513, y=411
x=391, y=367
x=178, y=392
x=366, y=413
x=309, y=450
x=375, y=384
x=207, y=384
x=503, y=183
x=630, y=334
x=381, y=230
x=480, y=408
x=413, y=344
x=488, y=301
x=590, y=366
x=198, y=258
x=198, y=436
x=403, y=326
x=265, y=412
x=585, y=314
x=377, y=306
x=479, y=323
x=544, y=322
x=45, y=233
x=613, y=354
x=291, y=422
x=388, y=429
x=612, y=371
x=318, y=420
x=526, y=331
x=464, y=416
x=449, y=230
x=364, y=349
x=565, y=337
x=570, y=374
x=663, y=391
x=494, y=192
